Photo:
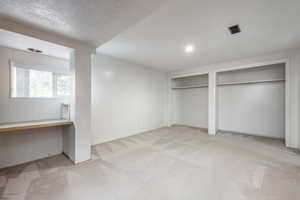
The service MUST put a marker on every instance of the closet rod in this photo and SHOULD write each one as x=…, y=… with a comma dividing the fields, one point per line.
x=190, y=87
x=251, y=82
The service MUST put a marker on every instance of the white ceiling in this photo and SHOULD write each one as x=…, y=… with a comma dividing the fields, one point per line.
x=91, y=21
x=22, y=42
x=159, y=39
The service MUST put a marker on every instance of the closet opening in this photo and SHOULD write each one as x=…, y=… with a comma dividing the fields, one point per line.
x=252, y=101
x=190, y=101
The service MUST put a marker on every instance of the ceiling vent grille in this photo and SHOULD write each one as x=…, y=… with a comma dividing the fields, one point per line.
x=33, y=50
x=234, y=29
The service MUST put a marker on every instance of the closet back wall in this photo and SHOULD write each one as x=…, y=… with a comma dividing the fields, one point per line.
x=126, y=99
x=190, y=100
x=257, y=109
x=190, y=107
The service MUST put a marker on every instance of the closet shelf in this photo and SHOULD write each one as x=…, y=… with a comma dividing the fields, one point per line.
x=7, y=127
x=251, y=82
x=190, y=86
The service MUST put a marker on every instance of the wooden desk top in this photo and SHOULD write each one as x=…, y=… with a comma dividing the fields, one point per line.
x=17, y=126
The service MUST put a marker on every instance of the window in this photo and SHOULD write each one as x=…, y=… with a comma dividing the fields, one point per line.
x=63, y=85
x=40, y=84
x=32, y=83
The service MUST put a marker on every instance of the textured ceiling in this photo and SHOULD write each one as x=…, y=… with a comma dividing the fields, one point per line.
x=159, y=39
x=92, y=21
x=22, y=42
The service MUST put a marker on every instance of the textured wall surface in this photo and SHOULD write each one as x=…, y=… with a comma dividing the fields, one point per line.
x=190, y=107
x=126, y=99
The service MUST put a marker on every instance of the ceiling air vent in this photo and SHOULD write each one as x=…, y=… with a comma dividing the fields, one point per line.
x=234, y=29
x=34, y=50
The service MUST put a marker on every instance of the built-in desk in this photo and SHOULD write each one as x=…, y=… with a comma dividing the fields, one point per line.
x=18, y=126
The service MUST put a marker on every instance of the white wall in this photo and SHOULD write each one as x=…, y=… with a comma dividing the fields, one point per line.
x=126, y=99
x=257, y=109
x=24, y=109
x=292, y=84
x=24, y=146
x=190, y=107
x=77, y=138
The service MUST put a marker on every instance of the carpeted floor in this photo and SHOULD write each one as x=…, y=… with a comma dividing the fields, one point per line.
x=165, y=164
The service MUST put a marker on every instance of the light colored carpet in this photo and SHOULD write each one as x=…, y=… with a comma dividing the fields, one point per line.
x=165, y=164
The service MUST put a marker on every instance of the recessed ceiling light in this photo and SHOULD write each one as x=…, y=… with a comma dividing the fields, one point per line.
x=189, y=48
x=34, y=50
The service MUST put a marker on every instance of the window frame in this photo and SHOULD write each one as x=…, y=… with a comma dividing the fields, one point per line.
x=55, y=87
x=12, y=83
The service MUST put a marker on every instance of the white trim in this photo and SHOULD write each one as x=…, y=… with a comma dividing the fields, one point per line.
x=288, y=124
x=253, y=65
x=191, y=74
x=40, y=67
x=170, y=102
x=12, y=80
x=12, y=83
x=212, y=103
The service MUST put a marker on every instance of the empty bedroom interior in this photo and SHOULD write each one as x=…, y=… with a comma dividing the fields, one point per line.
x=160, y=99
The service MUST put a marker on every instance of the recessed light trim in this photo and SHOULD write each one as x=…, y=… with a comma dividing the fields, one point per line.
x=189, y=49
x=33, y=50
